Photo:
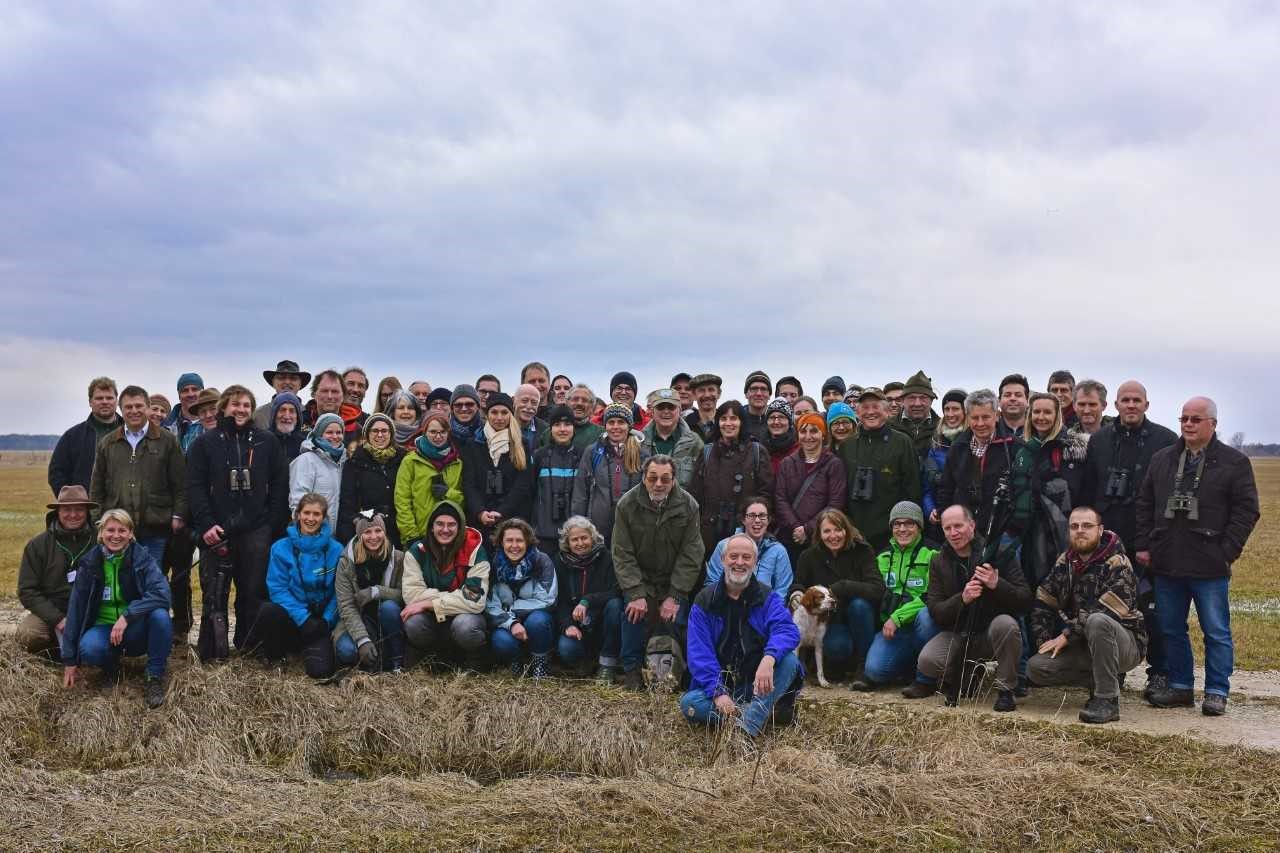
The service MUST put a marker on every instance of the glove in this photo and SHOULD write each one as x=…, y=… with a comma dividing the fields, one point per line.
x=363, y=596
x=368, y=655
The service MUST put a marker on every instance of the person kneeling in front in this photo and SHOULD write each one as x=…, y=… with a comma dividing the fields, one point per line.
x=119, y=606
x=1092, y=591
x=741, y=648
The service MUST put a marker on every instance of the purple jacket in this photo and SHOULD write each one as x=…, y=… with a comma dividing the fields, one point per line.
x=827, y=490
x=769, y=630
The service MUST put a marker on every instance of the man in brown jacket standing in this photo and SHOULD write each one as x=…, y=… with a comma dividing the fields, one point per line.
x=141, y=469
x=1196, y=508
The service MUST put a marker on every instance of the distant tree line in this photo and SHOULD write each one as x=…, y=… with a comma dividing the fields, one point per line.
x=13, y=441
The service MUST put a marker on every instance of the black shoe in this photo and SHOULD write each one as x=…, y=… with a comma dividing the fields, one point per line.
x=1172, y=697
x=1099, y=710
x=1213, y=705
x=1023, y=688
x=919, y=690
x=539, y=665
x=860, y=683
x=517, y=667
x=153, y=691
x=1155, y=681
x=1004, y=701
x=633, y=680
x=606, y=674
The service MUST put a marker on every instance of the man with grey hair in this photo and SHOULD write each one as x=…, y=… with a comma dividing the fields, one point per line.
x=986, y=472
x=532, y=428
x=657, y=557
x=741, y=649
x=1089, y=400
x=1195, y=511
x=582, y=402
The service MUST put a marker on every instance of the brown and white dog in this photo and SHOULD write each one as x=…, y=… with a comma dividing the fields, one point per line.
x=811, y=610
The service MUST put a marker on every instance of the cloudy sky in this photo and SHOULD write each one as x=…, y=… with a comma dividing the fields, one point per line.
x=437, y=190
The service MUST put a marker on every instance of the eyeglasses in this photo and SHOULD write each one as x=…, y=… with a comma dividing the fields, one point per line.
x=464, y=406
x=1081, y=525
x=379, y=431
x=756, y=516
x=1192, y=419
x=903, y=523
x=436, y=433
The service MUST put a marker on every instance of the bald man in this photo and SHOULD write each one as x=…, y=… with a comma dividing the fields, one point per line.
x=1118, y=457
x=1196, y=508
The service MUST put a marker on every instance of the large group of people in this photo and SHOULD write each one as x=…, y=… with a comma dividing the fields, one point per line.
x=658, y=538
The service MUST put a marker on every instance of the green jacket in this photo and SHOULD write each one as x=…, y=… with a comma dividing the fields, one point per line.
x=413, y=498
x=149, y=483
x=896, y=477
x=906, y=574
x=686, y=452
x=657, y=551
x=45, y=573
x=921, y=434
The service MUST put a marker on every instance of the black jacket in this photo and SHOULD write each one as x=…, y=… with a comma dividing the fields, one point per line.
x=368, y=484
x=494, y=488
x=948, y=574
x=595, y=587
x=849, y=574
x=554, y=470
x=1228, y=499
x=210, y=499
x=1130, y=450
x=72, y=461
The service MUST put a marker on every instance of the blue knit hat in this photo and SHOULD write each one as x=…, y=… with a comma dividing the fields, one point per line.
x=190, y=379
x=322, y=423
x=837, y=411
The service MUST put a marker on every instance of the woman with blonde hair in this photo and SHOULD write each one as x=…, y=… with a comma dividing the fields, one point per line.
x=119, y=606
x=497, y=479
x=608, y=469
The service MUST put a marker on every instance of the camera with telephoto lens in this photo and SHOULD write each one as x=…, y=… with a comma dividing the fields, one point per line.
x=240, y=479
x=864, y=484
x=493, y=483
x=1118, y=483
x=1182, y=502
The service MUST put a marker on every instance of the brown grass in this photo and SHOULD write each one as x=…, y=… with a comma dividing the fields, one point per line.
x=244, y=758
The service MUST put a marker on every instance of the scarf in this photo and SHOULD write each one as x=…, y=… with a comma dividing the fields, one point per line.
x=780, y=443
x=499, y=442
x=439, y=457
x=386, y=454
x=1106, y=547
x=584, y=561
x=369, y=573
x=461, y=431
x=511, y=573
x=319, y=444
x=449, y=580
x=950, y=433
x=350, y=416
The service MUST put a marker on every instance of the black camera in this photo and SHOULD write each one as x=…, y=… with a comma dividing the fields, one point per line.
x=240, y=479
x=559, y=507
x=493, y=483
x=1118, y=483
x=1182, y=502
x=864, y=484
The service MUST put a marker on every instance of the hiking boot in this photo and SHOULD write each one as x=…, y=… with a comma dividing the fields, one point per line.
x=1004, y=701
x=1023, y=688
x=633, y=680
x=919, y=690
x=538, y=665
x=860, y=683
x=153, y=691
x=1213, y=705
x=606, y=674
x=1155, y=681
x=1099, y=710
x=1172, y=697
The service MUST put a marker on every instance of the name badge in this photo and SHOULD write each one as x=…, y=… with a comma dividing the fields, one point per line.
x=106, y=593
x=71, y=576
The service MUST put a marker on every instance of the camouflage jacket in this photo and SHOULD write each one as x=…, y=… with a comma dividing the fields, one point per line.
x=1075, y=589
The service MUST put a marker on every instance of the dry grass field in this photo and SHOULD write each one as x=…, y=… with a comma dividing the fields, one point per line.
x=242, y=757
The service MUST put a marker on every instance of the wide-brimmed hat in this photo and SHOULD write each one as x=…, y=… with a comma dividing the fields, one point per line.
x=286, y=366
x=72, y=496
x=208, y=396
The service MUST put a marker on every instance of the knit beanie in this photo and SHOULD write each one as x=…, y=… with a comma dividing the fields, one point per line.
x=498, y=398
x=439, y=394
x=757, y=376
x=364, y=522
x=374, y=419
x=463, y=391
x=623, y=377
x=837, y=411
x=322, y=423
x=190, y=379
x=779, y=404
x=617, y=410
x=909, y=511
x=813, y=419
x=955, y=395
x=833, y=383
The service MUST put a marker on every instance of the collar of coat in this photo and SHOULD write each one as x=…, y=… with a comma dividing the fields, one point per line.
x=752, y=596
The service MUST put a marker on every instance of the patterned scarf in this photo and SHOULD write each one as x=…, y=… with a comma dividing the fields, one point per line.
x=385, y=454
x=511, y=573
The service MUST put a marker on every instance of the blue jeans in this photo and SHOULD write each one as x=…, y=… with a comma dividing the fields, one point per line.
x=1173, y=604
x=604, y=629
x=635, y=636
x=541, y=630
x=850, y=639
x=697, y=708
x=389, y=637
x=896, y=658
x=151, y=636
x=155, y=546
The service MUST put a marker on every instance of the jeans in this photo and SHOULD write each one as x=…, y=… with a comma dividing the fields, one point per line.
x=850, y=639
x=386, y=631
x=604, y=630
x=540, y=627
x=155, y=546
x=1173, y=604
x=896, y=658
x=151, y=635
x=697, y=708
x=635, y=636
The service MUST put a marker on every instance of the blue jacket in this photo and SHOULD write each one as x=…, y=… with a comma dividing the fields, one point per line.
x=769, y=631
x=773, y=566
x=141, y=582
x=931, y=473
x=532, y=586
x=301, y=573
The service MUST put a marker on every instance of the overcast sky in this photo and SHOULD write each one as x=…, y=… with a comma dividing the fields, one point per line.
x=438, y=190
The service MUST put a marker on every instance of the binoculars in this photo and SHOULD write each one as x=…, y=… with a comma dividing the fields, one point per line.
x=1182, y=502
x=1118, y=484
x=864, y=484
x=240, y=479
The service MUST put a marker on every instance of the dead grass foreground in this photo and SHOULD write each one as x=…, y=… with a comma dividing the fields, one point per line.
x=244, y=758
